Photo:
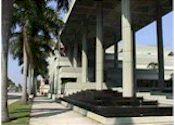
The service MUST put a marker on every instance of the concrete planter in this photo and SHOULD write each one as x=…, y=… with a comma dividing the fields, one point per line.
x=151, y=120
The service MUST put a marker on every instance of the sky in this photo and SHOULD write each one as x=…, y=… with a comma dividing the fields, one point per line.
x=147, y=35
x=144, y=37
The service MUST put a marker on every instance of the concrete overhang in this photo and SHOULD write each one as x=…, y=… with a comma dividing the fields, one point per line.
x=143, y=12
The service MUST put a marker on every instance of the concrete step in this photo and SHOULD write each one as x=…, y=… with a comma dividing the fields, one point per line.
x=160, y=99
x=154, y=98
x=166, y=101
x=141, y=94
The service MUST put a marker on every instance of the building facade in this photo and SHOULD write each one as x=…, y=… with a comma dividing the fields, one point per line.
x=91, y=28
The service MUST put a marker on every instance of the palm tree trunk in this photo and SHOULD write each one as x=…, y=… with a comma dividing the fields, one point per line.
x=25, y=62
x=34, y=87
x=7, y=10
x=29, y=80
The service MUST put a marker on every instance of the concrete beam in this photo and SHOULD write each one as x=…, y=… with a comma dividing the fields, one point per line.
x=128, y=62
x=86, y=9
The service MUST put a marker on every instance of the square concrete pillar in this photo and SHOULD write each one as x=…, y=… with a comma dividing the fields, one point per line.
x=84, y=57
x=99, y=48
x=35, y=85
x=134, y=62
x=128, y=60
x=75, y=55
x=52, y=85
x=160, y=49
x=70, y=53
x=56, y=81
x=115, y=54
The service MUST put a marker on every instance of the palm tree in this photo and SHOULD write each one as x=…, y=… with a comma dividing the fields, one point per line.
x=152, y=65
x=63, y=5
x=7, y=9
x=35, y=25
x=40, y=51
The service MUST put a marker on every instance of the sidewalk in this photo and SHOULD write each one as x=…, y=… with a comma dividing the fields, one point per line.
x=12, y=101
x=13, y=97
x=47, y=112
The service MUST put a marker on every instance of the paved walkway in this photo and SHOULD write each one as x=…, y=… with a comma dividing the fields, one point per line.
x=12, y=101
x=47, y=112
x=13, y=97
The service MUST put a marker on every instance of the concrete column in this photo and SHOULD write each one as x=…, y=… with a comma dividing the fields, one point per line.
x=160, y=49
x=115, y=54
x=128, y=62
x=75, y=55
x=55, y=82
x=134, y=62
x=59, y=82
x=84, y=57
x=52, y=84
x=99, y=48
x=35, y=85
x=70, y=53
x=57, y=70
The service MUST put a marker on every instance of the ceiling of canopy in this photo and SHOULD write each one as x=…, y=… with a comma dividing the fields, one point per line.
x=143, y=12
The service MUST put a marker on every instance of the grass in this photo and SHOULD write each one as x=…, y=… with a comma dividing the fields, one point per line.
x=19, y=114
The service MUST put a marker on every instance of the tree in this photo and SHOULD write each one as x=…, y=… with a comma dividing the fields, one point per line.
x=7, y=9
x=10, y=83
x=38, y=24
x=171, y=54
x=25, y=61
x=19, y=88
x=152, y=65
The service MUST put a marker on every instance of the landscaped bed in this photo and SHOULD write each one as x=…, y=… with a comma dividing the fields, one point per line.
x=112, y=104
x=19, y=114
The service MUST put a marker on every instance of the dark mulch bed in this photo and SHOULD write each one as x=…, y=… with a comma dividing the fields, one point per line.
x=110, y=103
